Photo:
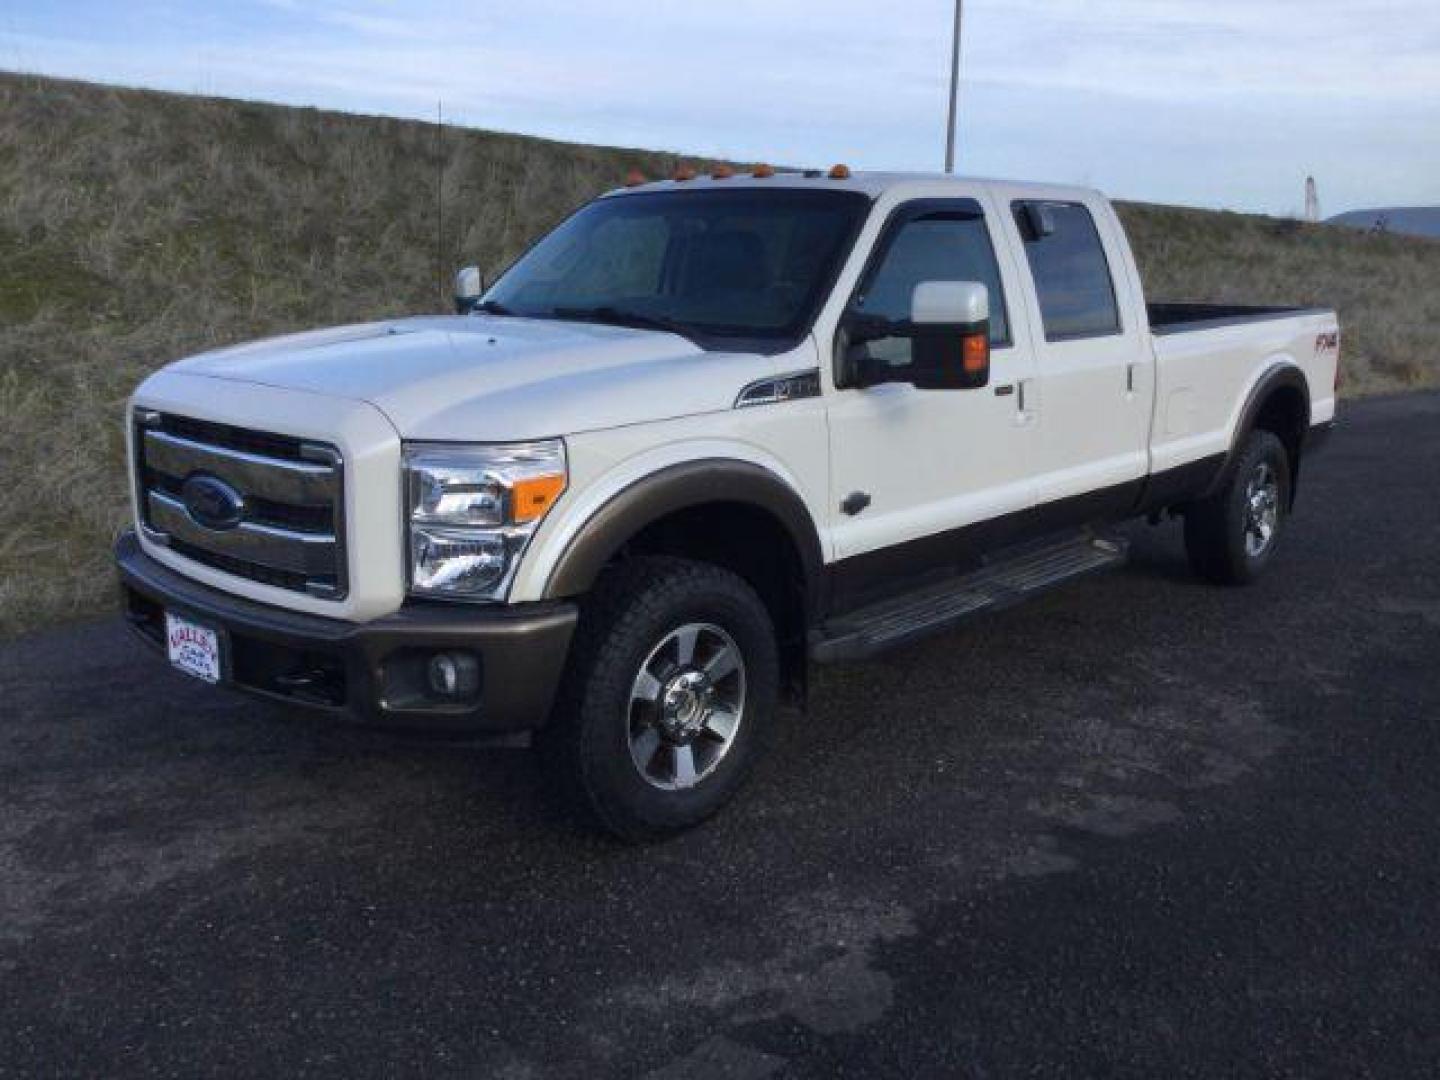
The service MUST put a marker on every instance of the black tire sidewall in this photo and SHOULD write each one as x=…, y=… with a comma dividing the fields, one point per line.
x=1262, y=446
x=671, y=594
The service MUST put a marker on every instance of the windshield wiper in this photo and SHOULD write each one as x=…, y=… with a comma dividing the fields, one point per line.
x=614, y=316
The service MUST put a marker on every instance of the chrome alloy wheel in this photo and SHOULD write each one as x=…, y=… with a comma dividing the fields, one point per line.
x=1262, y=508
x=686, y=706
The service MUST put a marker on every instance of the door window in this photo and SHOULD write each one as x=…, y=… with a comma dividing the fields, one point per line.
x=938, y=246
x=1071, y=274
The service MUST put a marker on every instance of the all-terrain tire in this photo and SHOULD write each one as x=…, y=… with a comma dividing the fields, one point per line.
x=640, y=616
x=1232, y=535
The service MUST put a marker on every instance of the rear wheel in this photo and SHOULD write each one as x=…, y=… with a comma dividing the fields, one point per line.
x=1231, y=536
x=668, y=698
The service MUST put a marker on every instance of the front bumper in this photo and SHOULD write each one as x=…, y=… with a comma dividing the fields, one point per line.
x=372, y=672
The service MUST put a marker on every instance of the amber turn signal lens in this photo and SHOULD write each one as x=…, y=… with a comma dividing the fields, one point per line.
x=530, y=498
x=975, y=354
x=840, y=172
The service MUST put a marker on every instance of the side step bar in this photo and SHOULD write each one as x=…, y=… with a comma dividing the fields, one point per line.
x=999, y=584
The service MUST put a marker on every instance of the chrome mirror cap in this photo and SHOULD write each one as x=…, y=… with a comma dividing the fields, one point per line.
x=469, y=286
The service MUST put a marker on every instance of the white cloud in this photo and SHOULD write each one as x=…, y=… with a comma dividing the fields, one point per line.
x=1160, y=98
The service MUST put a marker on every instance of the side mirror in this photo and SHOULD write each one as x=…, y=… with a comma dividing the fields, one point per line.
x=1037, y=220
x=469, y=287
x=943, y=345
x=950, y=348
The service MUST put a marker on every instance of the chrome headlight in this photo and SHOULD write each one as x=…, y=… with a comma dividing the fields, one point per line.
x=471, y=511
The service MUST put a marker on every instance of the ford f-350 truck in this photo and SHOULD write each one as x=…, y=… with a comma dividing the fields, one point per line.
x=705, y=433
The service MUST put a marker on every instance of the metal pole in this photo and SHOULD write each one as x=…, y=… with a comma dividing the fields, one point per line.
x=440, y=196
x=954, y=93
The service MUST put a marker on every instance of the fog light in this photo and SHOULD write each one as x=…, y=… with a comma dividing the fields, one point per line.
x=453, y=675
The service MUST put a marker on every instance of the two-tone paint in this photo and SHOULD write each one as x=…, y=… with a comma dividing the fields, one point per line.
x=1064, y=432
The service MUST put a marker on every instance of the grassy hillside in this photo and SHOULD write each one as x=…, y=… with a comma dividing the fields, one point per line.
x=1386, y=288
x=136, y=227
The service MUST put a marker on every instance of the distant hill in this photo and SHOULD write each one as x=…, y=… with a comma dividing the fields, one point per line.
x=137, y=226
x=1406, y=220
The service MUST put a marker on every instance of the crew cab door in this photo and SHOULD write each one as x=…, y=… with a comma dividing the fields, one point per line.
x=914, y=472
x=1093, y=399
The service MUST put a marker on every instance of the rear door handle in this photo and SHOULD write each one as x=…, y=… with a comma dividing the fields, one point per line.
x=1130, y=378
x=1023, y=397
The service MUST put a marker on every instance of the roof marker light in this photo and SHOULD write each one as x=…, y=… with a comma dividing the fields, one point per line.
x=634, y=178
x=721, y=172
x=840, y=172
x=763, y=172
x=684, y=173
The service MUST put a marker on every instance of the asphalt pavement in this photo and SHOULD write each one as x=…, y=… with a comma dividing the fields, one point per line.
x=1139, y=827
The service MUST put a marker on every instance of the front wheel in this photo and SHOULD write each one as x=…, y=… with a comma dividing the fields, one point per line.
x=1232, y=535
x=669, y=696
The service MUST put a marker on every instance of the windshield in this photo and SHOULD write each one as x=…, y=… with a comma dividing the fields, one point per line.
x=743, y=263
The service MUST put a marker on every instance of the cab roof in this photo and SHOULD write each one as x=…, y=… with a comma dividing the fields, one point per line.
x=870, y=184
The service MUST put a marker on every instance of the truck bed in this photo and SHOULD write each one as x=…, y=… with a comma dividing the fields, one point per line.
x=1178, y=317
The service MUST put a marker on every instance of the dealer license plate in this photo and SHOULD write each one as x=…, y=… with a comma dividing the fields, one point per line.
x=193, y=648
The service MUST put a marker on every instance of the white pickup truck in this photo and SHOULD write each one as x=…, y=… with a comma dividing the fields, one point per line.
x=706, y=432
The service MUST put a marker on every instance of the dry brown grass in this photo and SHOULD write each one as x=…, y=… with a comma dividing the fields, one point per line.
x=136, y=227
x=1386, y=288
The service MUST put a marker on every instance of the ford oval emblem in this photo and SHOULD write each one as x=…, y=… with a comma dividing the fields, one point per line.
x=212, y=503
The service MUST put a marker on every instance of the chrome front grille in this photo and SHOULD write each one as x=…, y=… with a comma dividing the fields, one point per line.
x=283, y=498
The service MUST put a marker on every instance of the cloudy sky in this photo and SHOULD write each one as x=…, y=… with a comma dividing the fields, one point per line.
x=1224, y=103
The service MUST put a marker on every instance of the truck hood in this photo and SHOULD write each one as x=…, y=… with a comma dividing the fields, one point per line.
x=487, y=378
